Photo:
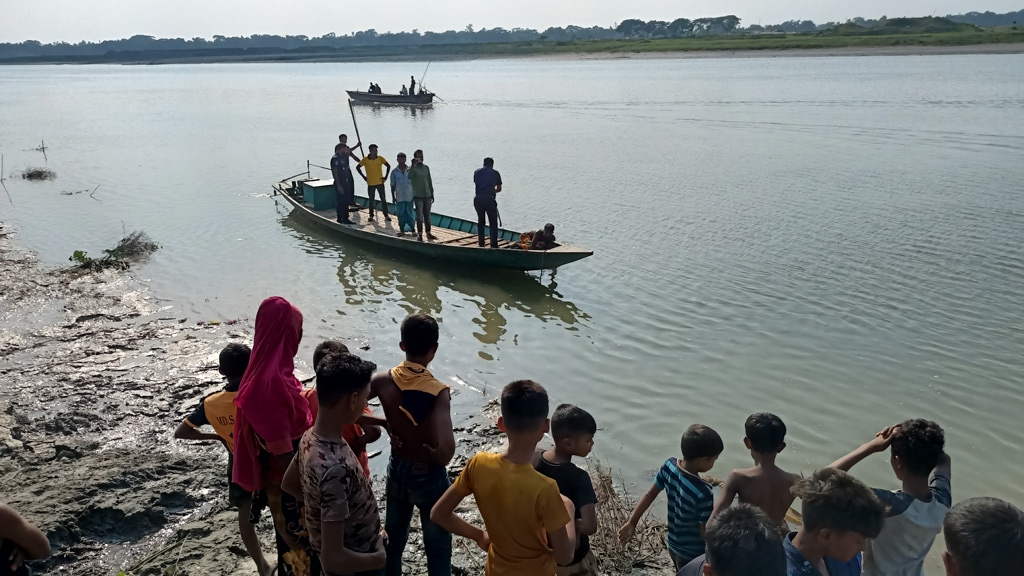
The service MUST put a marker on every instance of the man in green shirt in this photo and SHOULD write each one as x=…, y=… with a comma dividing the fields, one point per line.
x=422, y=194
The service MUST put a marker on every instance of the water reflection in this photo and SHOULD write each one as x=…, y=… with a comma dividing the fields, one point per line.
x=394, y=110
x=375, y=279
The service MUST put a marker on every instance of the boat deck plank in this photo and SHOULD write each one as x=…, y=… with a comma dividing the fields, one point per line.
x=379, y=226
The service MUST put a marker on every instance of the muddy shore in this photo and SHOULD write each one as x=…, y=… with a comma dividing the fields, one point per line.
x=96, y=373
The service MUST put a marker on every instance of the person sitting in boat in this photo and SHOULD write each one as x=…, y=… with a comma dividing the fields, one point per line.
x=543, y=239
x=404, y=92
x=370, y=89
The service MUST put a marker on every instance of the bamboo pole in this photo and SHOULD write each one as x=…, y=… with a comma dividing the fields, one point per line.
x=358, y=138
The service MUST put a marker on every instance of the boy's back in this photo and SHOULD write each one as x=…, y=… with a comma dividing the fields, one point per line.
x=690, y=501
x=519, y=506
x=770, y=489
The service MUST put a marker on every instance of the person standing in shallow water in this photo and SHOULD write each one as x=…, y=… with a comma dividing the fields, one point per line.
x=271, y=417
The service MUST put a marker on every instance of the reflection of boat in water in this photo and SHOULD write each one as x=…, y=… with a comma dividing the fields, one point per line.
x=371, y=278
x=421, y=99
x=456, y=238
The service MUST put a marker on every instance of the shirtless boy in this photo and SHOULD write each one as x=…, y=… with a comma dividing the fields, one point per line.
x=764, y=485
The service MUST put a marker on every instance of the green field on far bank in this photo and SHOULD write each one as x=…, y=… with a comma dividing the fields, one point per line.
x=1003, y=35
x=719, y=43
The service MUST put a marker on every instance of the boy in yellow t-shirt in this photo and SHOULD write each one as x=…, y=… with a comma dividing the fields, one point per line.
x=529, y=528
x=375, y=177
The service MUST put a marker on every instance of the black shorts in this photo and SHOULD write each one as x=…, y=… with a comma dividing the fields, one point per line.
x=237, y=496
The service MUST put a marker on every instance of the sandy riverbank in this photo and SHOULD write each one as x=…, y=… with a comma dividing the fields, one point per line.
x=97, y=372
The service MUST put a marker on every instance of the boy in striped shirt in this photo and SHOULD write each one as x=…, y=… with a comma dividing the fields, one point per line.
x=690, y=499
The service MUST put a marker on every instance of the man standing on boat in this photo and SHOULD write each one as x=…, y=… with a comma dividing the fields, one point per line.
x=488, y=184
x=375, y=180
x=343, y=183
x=422, y=194
x=412, y=88
x=401, y=195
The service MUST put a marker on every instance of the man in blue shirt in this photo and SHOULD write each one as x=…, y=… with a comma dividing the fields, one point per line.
x=839, y=514
x=488, y=184
x=741, y=541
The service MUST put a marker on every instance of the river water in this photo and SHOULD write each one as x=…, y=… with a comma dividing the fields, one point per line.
x=837, y=240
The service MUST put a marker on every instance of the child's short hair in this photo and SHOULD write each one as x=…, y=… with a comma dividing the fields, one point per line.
x=327, y=347
x=919, y=444
x=832, y=499
x=419, y=334
x=741, y=541
x=700, y=441
x=570, y=420
x=524, y=406
x=985, y=536
x=766, y=432
x=340, y=374
x=234, y=359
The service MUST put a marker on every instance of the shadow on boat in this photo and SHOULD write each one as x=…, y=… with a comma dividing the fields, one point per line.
x=371, y=273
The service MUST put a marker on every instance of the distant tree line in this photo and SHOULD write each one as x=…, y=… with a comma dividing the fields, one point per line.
x=627, y=29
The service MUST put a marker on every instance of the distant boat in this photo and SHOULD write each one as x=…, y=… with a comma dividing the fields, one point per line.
x=456, y=238
x=406, y=100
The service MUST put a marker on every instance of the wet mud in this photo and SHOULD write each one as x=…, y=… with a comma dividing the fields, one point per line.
x=95, y=374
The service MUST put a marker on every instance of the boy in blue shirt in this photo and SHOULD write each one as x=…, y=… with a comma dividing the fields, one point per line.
x=839, y=514
x=690, y=499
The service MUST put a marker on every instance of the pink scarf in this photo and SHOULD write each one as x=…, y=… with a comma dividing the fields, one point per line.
x=269, y=401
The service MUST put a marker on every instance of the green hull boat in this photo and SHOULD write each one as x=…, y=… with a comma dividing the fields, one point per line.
x=456, y=238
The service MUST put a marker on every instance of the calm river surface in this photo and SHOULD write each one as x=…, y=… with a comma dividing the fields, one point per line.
x=837, y=240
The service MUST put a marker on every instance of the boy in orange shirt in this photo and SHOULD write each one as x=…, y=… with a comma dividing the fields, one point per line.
x=529, y=527
x=218, y=411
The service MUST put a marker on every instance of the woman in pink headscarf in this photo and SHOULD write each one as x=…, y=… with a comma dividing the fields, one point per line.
x=272, y=414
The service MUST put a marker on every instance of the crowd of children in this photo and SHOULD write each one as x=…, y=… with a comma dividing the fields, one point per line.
x=302, y=454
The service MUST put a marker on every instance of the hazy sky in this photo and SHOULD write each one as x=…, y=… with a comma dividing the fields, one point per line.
x=74, y=20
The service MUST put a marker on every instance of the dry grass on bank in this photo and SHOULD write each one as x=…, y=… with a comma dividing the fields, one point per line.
x=647, y=549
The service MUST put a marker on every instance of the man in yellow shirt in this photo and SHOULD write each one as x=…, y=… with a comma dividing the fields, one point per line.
x=529, y=527
x=375, y=178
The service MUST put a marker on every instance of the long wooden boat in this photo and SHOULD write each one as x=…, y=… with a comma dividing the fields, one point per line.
x=456, y=238
x=407, y=100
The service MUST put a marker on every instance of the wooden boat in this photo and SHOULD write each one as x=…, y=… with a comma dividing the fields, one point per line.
x=408, y=100
x=456, y=238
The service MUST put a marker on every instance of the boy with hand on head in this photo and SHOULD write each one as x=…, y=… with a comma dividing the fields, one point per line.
x=765, y=485
x=741, y=541
x=341, y=510
x=529, y=527
x=218, y=411
x=839, y=514
x=984, y=537
x=357, y=435
x=418, y=411
x=690, y=499
x=915, y=513
x=573, y=430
